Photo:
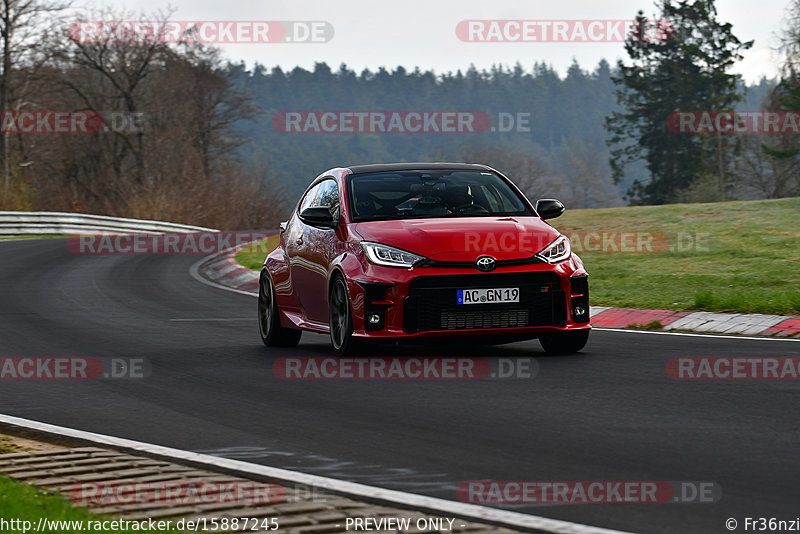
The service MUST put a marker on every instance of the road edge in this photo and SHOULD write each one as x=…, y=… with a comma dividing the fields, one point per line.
x=372, y=494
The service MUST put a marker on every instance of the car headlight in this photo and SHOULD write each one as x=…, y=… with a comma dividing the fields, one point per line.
x=557, y=251
x=389, y=256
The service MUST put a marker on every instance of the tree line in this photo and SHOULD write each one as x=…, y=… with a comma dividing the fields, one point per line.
x=180, y=134
x=159, y=141
x=726, y=157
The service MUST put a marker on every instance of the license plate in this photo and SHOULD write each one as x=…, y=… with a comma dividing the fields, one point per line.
x=502, y=295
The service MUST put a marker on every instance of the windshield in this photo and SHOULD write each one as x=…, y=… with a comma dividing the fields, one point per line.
x=430, y=194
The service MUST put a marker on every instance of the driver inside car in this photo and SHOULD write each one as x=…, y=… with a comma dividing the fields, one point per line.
x=459, y=198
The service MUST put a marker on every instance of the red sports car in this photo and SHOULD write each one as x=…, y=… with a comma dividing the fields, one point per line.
x=422, y=250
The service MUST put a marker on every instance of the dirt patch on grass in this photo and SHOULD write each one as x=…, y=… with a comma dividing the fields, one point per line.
x=10, y=444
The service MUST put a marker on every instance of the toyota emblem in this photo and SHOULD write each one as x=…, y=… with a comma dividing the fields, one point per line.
x=485, y=263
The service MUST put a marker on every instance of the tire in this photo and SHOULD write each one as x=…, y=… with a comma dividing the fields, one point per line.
x=564, y=342
x=341, y=319
x=269, y=322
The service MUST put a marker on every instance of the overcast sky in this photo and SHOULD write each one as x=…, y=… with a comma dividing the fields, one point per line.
x=422, y=33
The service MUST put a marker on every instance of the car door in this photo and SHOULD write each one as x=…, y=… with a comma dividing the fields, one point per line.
x=313, y=250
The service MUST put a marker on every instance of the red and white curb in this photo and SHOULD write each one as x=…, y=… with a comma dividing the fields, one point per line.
x=751, y=324
x=223, y=271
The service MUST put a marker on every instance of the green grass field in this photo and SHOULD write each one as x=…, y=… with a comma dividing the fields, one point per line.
x=252, y=256
x=25, y=503
x=727, y=256
x=32, y=236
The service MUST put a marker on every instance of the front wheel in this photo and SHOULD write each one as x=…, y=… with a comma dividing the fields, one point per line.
x=341, y=319
x=564, y=342
x=269, y=323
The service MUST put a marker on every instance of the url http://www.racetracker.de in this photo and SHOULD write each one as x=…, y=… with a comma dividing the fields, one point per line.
x=203, y=524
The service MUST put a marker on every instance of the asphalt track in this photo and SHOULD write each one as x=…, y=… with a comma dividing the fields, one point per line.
x=610, y=413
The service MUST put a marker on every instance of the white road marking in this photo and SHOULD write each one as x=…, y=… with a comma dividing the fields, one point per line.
x=690, y=334
x=191, y=319
x=194, y=271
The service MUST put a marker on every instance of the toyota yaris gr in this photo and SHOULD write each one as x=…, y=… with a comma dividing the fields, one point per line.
x=422, y=250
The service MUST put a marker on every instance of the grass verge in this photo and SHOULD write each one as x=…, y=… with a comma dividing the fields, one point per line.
x=22, y=502
x=252, y=255
x=727, y=257
x=31, y=236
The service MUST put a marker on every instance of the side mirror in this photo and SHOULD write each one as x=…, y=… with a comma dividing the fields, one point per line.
x=549, y=208
x=318, y=216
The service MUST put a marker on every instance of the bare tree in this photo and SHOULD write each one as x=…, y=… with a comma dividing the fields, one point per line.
x=586, y=177
x=790, y=41
x=578, y=176
x=23, y=26
x=107, y=75
x=768, y=166
x=529, y=170
x=761, y=175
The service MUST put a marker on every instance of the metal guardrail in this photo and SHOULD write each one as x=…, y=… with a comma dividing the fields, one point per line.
x=62, y=223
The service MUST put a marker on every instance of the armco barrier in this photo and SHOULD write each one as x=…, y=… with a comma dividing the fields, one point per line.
x=52, y=222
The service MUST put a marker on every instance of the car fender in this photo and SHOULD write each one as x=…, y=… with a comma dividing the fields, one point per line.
x=277, y=264
x=348, y=266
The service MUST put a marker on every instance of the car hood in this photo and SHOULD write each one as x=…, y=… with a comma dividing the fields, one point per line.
x=463, y=238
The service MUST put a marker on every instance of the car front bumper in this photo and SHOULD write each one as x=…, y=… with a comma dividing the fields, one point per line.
x=421, y=302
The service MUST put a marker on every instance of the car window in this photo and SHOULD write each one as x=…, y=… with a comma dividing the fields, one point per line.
x=308, y=199
x=421, y=194
x=328, y=195
x=325, y=193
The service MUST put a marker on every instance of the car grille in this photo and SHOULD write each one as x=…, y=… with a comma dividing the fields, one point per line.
x=431, y=303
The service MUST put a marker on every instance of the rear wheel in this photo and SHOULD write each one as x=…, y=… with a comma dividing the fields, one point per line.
x=269, y=322
x=341, y=318
x=564, y=342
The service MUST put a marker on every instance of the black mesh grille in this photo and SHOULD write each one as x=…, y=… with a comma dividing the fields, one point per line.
x=453, y=320
x=431, y=302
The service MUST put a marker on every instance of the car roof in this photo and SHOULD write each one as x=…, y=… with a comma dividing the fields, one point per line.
x=384, y=167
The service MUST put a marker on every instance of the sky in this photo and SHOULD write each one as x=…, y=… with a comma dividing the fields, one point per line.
x=422, y=33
